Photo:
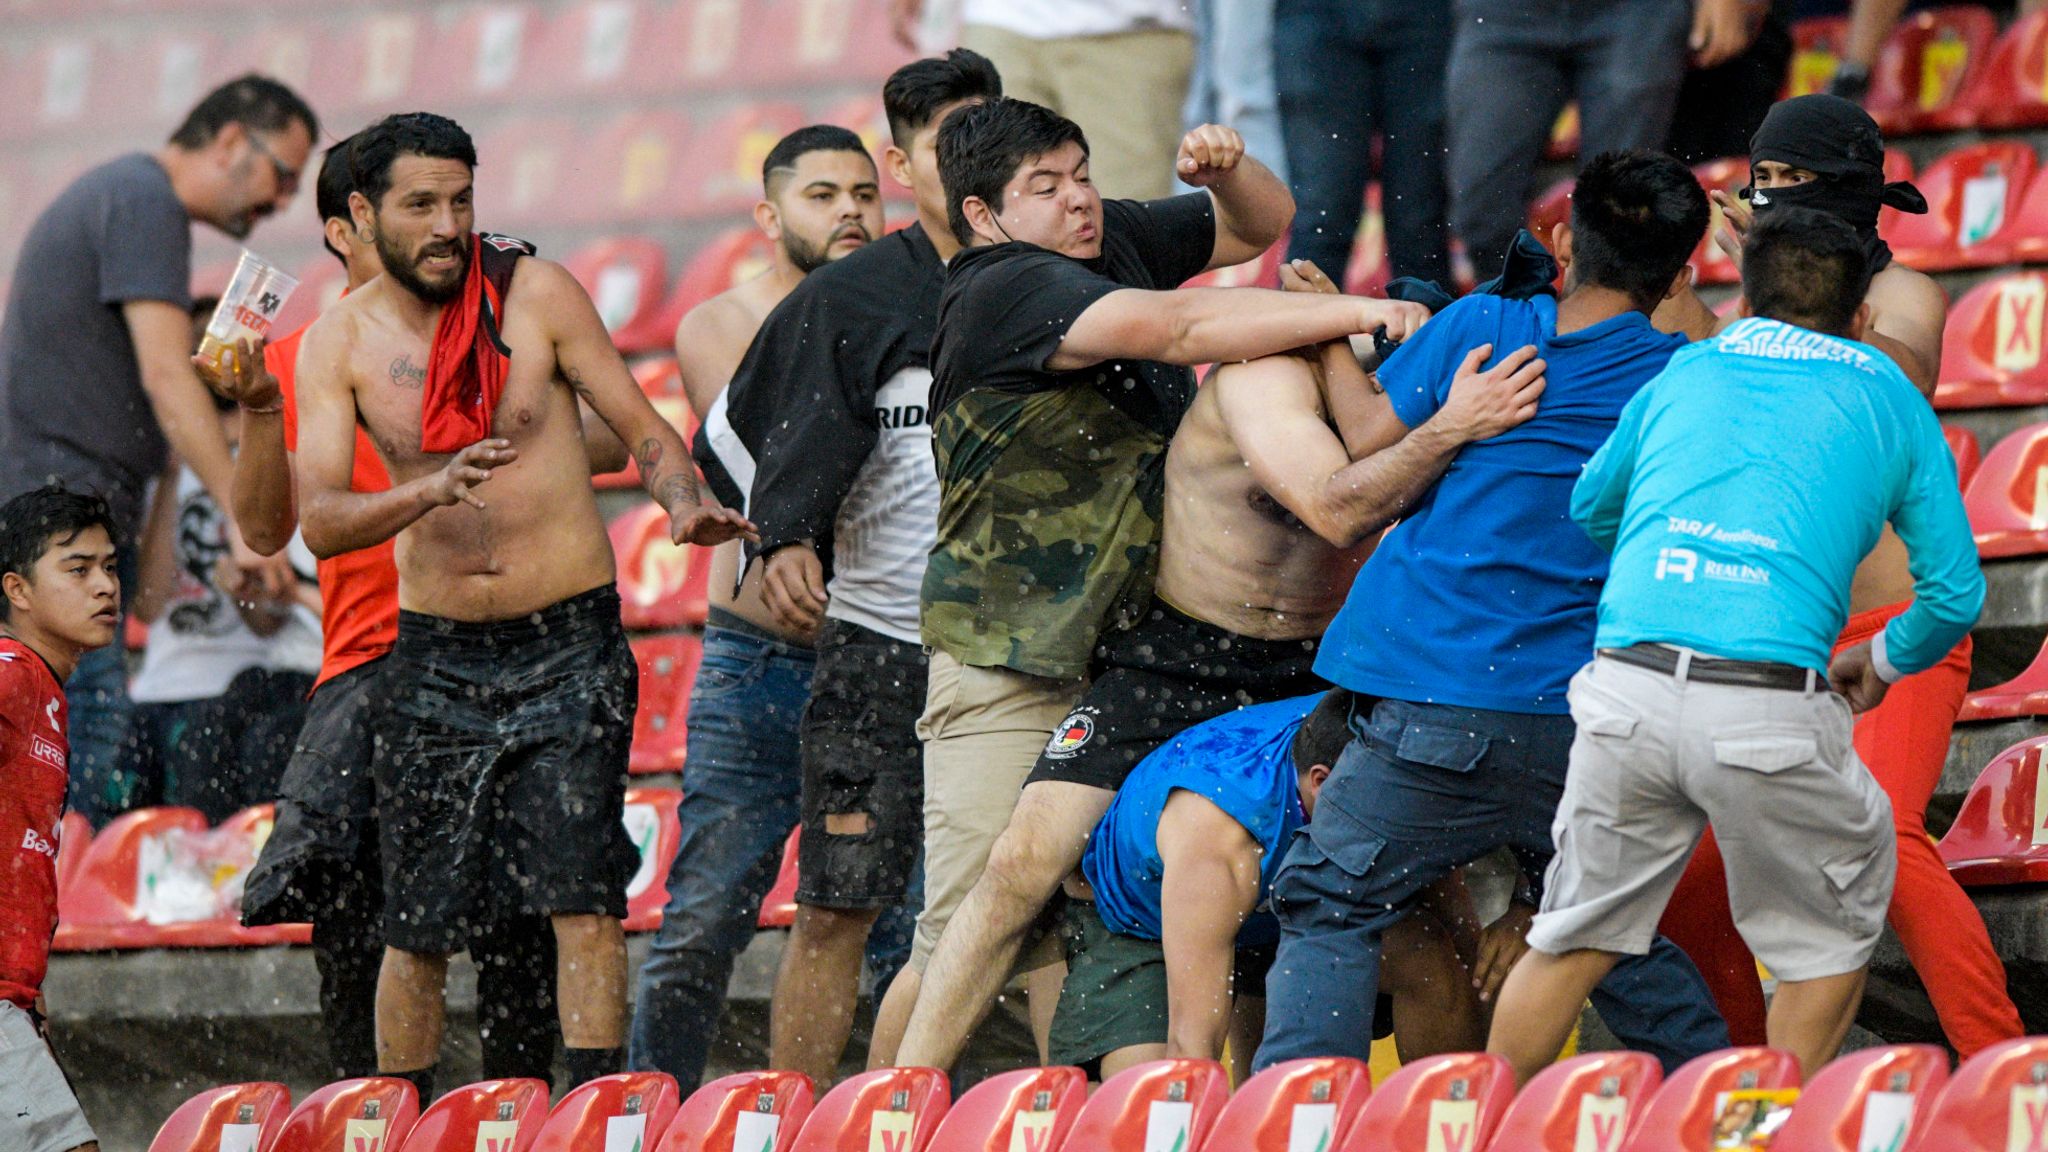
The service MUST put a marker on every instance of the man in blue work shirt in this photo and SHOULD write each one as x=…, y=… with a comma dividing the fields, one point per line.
x=1739, y=492
x=1462, y=632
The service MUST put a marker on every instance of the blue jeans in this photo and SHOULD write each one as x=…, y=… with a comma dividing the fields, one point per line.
x=1421, y=790
x=1514, y=66
x=100, y=711
x=1347, y=69
x=1232, y=83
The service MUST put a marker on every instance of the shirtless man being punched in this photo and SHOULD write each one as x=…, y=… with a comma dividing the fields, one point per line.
x=501, y=772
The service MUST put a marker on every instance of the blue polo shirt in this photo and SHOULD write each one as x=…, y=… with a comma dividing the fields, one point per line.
x=1485, y=595
x=1242, y=762
x=1745, y=484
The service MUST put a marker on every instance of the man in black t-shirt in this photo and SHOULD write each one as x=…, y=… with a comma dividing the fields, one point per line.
x=1059, y=374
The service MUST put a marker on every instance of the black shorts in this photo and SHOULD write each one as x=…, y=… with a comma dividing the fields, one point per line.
x=323, y=849
x=1156, y=680
x=861, y=754
x=501, y=770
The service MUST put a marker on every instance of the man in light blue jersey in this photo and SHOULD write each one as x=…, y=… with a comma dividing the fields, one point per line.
x=1738, y=493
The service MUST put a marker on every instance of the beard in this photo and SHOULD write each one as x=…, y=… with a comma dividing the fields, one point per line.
x=404, y=269
x=809, y=257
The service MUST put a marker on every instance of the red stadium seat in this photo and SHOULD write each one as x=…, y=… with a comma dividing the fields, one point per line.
x=650, y=818
x=750, y=1112
x=2001, y=834
x=369, y=1115
x=696, y=45
x=662, y=383
x=1552, y=208
x=1991, y=352
x=1996, y=1102
x=1681, y=1116
x=1149, y=1105
x=366, y=65
x=1973, y=196
x=661, y=585
x=477, y=57
x=236, y=1118
x=725, y=171
x=1029, y=1110
x=778, y=908
x=642, y=168
x=1298, y=1104
x=1564, y=135
x=586, y=49
x=1451, y=1102
x=233, y=847
x=2027, y=235
x=154, y=79
x=2024, y=695
x=1368, y=272
x=1866, y=1099
x=108, y=904
x=75, y=836
x=1962, y=444
x=886, y=1110
x=1816, y=51
x=668, y=666
x=2008, y=500
x=1585, y=1104
x=625, y=276
x=735, y=256
x=2006, y=92
x=832, y=40
x=528, y=168
x=1729, y=175
x=1926, y=63
x=489, y=1116
x=628, y=1111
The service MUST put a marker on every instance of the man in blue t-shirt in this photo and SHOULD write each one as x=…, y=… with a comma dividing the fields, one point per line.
x=1739, y=493
x=1462, y=632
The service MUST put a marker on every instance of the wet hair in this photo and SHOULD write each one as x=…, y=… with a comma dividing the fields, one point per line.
x=801, y=143
x=1636, y=218
x=1805, y=268
x=257, y=103
x=915, y=92
x=982, y=146
x=1323, y=735
x=330, y=191
x=33, y=522
x=379, y=146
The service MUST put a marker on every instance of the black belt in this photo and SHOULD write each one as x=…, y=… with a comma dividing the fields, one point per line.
x=1707, y=670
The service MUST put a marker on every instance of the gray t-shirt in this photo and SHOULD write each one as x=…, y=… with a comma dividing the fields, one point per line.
x=72, y=406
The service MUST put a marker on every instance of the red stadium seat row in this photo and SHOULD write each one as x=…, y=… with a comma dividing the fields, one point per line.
x=1941, y=69
x=478, y=55
x=1900, y=1098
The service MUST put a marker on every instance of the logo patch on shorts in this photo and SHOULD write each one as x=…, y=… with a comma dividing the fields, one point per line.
x=1073, y=733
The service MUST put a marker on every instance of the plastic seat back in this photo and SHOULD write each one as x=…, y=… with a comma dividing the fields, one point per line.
x=1973, y=195
x=536, y=161
x=1996, y=1102
x=1029, y=1110
x=1682, y=1115
x=234, y=1118
x=1875, y=1098
x=886, y=1110
x=625, y=276
x=639, y=170
x=369, y=1115
x=109, y=903
x=2024, y=695
x=584, y=49
x=726, y=172
x=650, y=817
x=1452, y=1102
x=662, y=585
x=1730, y=175
x=1968, y=455
x=668, y=666
x=729, y=259
x=1552, y=208
x=1585, y=1104
x=628, y=1111
x=2001, y=834
x=1926, y=64
x=2027, y=233
x=747, y=1112
x=75, y=836
x=1151, y=1106
x=488, y=1116
x=1817, y=45
x=2006, y=92
x=479, y=56
x=2008, y=500
x=1299, y=1104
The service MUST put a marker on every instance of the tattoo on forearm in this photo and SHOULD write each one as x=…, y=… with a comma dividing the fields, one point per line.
x=679, y=487
x=648, y=457
x=407, y=374
x=677, y=490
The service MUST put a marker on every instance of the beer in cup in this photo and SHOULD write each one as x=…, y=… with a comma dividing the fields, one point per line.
x=252, y=301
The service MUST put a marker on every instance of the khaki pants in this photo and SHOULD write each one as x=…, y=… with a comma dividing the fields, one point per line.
x=1124, y=90
x=983, y=729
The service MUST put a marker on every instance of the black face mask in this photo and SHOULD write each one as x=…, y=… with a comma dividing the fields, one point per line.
x=1837, y=141
x=1855, y=200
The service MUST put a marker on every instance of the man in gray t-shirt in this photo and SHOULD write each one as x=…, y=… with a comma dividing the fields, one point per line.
x=96, y=375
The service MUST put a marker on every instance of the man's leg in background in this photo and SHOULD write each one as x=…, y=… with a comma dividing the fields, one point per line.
x=1325, y=85
x=1022, y=62
x=1700, y=921
x=1631, y=62
x=816, y=990
x=1125, y=92
x=590, y=993
x=1412, y=53
x=516, y=1013
x=1234, y=71
x=1505, y=88
x=348, y=950
x=1811, y=1018
x=1539, y=1006
x=410, y=1014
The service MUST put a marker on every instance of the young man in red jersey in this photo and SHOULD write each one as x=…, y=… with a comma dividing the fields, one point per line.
x=59, y=599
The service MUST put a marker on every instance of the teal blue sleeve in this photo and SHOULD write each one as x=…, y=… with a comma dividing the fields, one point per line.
x=1948, y=583
x=1601, y=495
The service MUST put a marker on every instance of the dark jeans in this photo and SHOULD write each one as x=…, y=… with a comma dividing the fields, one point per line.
x=1719, y=108
x=1514, y=66
x=1347, y=69
x=99, y=709
x=1421, y=790
x=220, y=754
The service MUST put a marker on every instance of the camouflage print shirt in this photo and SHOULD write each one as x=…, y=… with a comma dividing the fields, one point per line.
x=1050, y=483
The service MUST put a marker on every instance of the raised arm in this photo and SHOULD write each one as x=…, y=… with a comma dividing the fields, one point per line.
x=1253, y=208
x=589, y=361
x=1211, y=884
x=1220, y=325
x=264, y=506
x=1907, y=312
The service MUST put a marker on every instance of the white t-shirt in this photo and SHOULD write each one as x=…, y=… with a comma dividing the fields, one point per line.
x=1059, y=19
x=200, y=643
x=890, y=518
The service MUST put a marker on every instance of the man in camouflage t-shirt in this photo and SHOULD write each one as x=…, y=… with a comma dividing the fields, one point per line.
x=1059, y=375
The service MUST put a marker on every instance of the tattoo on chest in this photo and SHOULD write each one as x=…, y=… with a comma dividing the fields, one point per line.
x=407, y=374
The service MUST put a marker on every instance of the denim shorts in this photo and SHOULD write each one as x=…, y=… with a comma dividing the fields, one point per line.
x=861, y=756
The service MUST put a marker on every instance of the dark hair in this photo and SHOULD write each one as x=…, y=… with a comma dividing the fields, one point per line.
x=330, y=191
x=1323, y=735
x=1636, y=218
x=1805, y=268
x=258, y=103
x=982, y=146
x=914, y=93
x=803, y=142
x=380, y=145
x=33, y=521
